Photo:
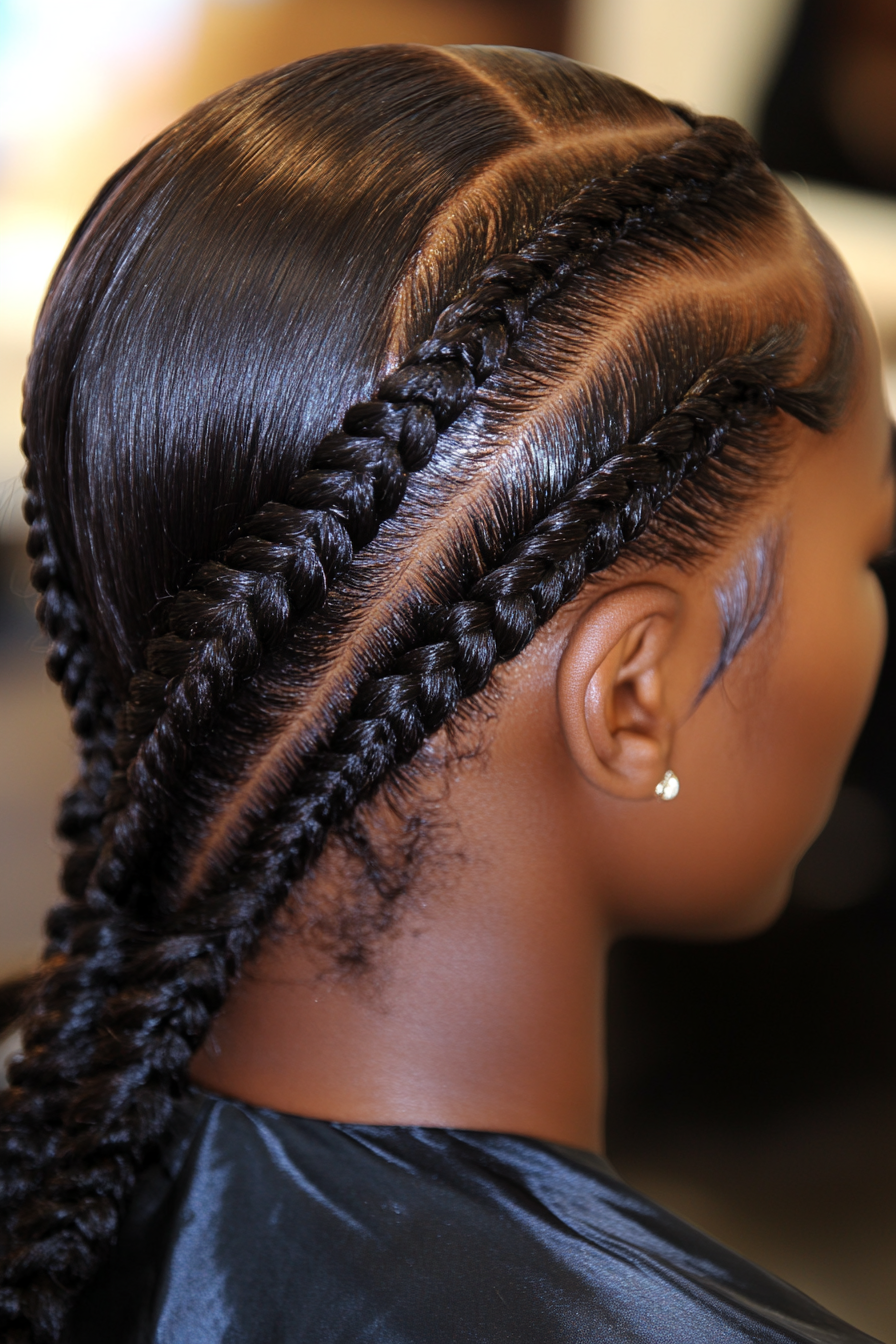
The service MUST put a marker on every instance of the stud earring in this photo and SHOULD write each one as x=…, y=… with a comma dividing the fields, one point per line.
x=668, y=787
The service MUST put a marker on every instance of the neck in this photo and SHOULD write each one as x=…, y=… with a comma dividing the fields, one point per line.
x=484, y=1010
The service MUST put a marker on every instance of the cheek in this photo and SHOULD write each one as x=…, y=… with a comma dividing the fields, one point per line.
x=821, y=687
x=786, y=719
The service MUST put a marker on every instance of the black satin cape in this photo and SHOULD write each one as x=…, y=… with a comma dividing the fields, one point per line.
x=262, y=1228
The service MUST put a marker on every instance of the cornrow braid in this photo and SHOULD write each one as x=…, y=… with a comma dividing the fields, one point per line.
x=285, y=558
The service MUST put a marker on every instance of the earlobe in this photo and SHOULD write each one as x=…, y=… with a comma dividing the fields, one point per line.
x=615, y=706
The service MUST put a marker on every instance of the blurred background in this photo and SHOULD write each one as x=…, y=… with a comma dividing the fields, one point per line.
x=753, y=1086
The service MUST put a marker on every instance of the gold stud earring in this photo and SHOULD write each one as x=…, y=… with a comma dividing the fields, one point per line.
x=668, y=787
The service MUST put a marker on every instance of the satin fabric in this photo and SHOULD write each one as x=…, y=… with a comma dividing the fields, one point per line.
x=262, y=1228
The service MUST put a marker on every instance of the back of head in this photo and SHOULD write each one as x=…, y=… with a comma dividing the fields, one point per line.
x=343, y=387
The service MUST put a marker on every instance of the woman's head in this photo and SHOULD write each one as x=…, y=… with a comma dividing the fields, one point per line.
x=750, y=673
x=345, y=387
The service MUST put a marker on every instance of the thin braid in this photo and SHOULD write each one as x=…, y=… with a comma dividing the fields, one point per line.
x=285, y=558
x=70, y=663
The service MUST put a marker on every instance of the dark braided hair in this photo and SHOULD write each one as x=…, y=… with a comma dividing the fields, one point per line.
x=345, y=386
x=283, y=561
x=70, y=663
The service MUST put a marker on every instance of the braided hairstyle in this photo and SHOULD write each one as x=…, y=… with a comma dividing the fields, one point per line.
x=344, y=386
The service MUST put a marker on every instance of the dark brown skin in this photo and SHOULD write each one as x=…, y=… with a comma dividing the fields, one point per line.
x=486, y=1009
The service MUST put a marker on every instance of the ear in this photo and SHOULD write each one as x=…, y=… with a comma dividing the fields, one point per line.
x=619, y=696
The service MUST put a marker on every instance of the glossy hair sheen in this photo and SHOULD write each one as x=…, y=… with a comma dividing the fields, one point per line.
x=345, y=384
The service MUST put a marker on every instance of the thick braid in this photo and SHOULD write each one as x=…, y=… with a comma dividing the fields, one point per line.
x=286, y=557
x=70, y=663
x=178, y=975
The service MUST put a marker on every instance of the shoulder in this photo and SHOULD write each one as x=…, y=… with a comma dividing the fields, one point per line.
x=262, y=1226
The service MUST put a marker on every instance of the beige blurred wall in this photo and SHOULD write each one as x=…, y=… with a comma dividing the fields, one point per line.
x=714, y=55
